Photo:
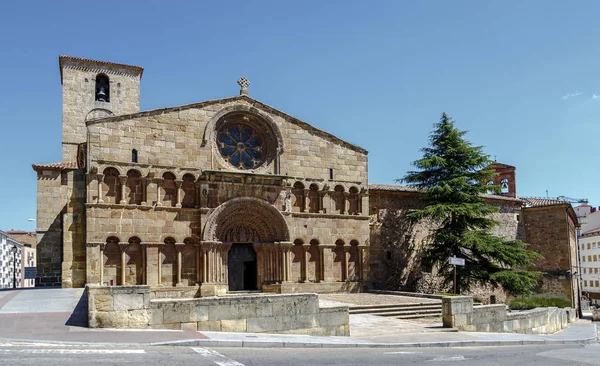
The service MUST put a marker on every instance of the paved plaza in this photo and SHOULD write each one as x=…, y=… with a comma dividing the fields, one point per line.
x=44, y=316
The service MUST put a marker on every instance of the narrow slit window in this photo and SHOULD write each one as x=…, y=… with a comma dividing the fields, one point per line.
x=134, y=156
x=331, y=173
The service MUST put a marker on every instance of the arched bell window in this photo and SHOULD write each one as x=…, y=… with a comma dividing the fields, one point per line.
x=102, y=88
x=504, y=185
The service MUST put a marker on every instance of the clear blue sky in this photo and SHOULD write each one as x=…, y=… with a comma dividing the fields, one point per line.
x=523, y=77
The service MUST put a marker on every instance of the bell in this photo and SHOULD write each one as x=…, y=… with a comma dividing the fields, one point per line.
x=101, y=96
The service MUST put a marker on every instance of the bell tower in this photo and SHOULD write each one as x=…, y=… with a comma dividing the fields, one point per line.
x=94, y=89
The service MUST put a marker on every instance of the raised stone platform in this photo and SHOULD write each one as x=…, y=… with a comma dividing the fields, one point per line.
x=136, y=307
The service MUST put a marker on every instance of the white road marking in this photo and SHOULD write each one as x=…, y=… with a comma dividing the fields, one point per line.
x=401, y=353
x=216, y=357
x=74, y=351
x=449, y=358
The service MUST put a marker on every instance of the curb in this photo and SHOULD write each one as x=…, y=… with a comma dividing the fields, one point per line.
x=284, y=344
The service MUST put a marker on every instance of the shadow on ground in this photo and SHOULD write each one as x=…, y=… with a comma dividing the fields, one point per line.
x=79, y=316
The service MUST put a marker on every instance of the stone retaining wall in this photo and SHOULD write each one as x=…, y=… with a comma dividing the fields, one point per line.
x=136, y=307
x=459, y=312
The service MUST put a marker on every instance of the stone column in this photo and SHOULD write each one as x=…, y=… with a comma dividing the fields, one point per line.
x=100, y=179
x=277, y=251
x=327, y=262
x=143, y=259
x=363, y=203
x=363, y=251
x=224, y=251
x=197, y=194
x=123, y=246
x=198, y=259
x=178, y=184
x=158, y=195
x=266, y=251
x=144, y=182
x=321, y=198
x=286, y=248
x=215, y=264
x=304, y=267
x=179, y=248
x=260, y=264
x=159, y=268
x=304, y=200
x=123, y=181
x=345, y=203
x=346, y=263
x=101, y=269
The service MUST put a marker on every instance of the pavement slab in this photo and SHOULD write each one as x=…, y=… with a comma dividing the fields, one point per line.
x=59, y=316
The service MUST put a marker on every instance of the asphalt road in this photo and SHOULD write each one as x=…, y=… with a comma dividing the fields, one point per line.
x=173, y=356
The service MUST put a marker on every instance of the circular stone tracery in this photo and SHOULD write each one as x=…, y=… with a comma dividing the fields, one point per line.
x=241, y=145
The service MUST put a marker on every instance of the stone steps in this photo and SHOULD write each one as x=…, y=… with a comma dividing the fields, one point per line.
x=399, y=311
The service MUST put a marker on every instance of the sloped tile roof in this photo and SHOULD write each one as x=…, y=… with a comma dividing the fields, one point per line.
x=63, y=58
x=64, y=165
x=539, y=202
x=393, y=187
x=400, y=188
x=594, y=232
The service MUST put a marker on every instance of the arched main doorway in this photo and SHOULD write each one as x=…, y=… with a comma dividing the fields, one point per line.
x=255, y=232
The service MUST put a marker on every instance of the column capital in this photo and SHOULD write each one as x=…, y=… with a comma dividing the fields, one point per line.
x=123, y=245
x=178, y=183
x=122, y=179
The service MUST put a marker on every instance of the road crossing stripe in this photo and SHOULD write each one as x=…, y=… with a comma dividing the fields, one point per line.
x=216, y=357
x=73, y=351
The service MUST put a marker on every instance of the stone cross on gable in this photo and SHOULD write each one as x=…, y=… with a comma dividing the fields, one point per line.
x=244, y=83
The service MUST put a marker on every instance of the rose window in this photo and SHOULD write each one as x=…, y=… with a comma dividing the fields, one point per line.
x=241, y=146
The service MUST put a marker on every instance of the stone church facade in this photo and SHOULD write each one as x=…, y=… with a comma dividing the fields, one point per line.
x=232, y=194
x=222, y=195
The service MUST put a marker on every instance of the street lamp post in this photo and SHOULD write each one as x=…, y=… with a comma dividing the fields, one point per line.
x=14, y=250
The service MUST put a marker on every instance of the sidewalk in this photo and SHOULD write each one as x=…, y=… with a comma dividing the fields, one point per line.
x=58, y=316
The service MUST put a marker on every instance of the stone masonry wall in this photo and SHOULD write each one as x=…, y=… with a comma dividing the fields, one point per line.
x=132, y=307
x=548, y=233
x=73, y=273
x=459, y=312
x=396, y=244
x=51, y=202
x=176, y=138
x=79, y=92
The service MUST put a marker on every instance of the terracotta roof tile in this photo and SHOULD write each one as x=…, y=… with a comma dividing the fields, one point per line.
x=393, y=187
x=65, y=165
x=63, y=58
x=399, y=188
x=539, y=202
x=591, y=233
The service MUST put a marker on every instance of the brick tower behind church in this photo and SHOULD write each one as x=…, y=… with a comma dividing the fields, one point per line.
x=506, y=179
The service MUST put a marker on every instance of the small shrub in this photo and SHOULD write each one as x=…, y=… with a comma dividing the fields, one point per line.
x=538, y=301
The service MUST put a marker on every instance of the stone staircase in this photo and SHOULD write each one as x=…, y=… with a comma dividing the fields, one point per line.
x=400, y=311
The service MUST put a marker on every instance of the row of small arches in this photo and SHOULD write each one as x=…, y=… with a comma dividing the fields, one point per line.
x=189, y=240
x=135, y=194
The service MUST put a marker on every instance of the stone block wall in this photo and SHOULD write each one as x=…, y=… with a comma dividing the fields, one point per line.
x=459, y=312
x=180, y=137
x=78, y=77
x=51, y=204
x=396, y=244
x=134, y=307
x=550, y=231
